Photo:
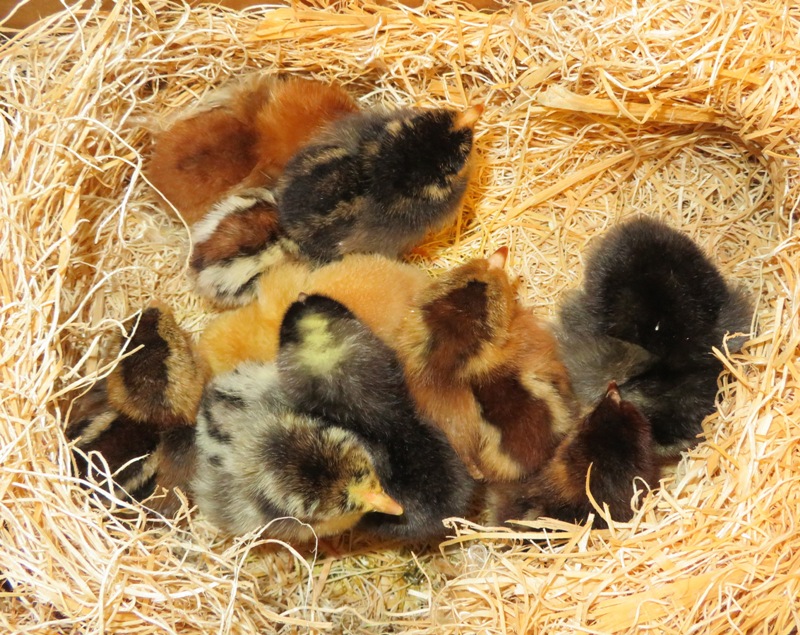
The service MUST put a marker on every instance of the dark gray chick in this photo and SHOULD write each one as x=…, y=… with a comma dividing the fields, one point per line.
x=651, y=308
x=377, y=182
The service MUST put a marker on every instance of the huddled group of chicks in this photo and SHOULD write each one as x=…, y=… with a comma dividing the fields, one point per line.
x=345, y=389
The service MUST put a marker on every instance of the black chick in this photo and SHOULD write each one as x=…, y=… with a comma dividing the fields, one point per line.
x=651, y=309
x=261, y=463
x=613, y=445
x=141, y=420
x=334, y=367
x=376, y=182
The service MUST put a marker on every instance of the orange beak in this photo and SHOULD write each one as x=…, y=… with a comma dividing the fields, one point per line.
x=382, y=502
x=498, y=259
x=469, y=117
x=613, y=392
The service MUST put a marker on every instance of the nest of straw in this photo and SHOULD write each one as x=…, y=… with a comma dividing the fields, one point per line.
x=594, y=110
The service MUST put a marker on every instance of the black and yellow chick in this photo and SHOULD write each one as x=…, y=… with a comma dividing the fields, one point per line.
x=240, y=136
x=486, y=371
x=141, y=420
x=651, y=308
x=234, y=244
x=261, y=463
x=612, y=446
x=333, y=367
x=376, y=183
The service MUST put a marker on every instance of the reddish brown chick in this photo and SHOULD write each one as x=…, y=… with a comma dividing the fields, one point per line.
x=241, y=135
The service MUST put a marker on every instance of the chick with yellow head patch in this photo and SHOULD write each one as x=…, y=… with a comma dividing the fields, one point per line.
x=333, y=366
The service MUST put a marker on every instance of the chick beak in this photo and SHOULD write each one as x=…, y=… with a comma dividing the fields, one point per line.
x=498, y=259
x=613, y=393
x=382, y=502
x=469, y=117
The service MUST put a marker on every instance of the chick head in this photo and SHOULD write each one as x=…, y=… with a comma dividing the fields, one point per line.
x=652, y=285
x=424, y=154
x=315, y=326
x=612, y=435
x=160, y=381
x=323, y=475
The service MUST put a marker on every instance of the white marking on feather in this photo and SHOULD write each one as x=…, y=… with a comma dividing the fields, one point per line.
x=225, y=281
x=97, y=426
x=147, y=469
x=231, y=204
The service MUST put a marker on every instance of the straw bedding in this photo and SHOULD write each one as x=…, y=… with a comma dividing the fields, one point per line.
x=594, y=110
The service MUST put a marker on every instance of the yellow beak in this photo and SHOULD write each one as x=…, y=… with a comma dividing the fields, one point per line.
x=382, y=502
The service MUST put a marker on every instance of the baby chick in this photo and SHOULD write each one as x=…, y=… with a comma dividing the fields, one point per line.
x=262, y=463
x=234, y=244
x=124, y=444
x=376, y=182
x=612, y=446
x=160, y=382
x=379, y=290
x=142, y=457
x=486, y=371
x=651, y=309
x=242, y=134
x=334, y=367
x=141, y=421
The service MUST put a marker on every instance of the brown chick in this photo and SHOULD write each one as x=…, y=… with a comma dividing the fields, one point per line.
x=160, y=383
x=379, y=291
x=242, y=134
x=487, y=371
x=612, y=447
x=141, y=421
x=234, y=244
x=263, y=464
x=141, y=458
